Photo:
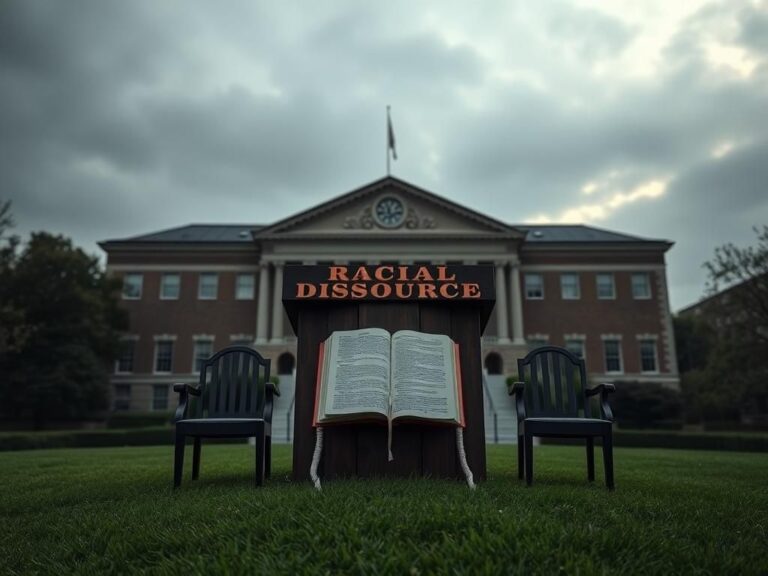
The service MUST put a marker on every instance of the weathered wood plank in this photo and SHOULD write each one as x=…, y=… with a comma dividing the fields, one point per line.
x=313, y=329
x=465, y=330
x=438, y=445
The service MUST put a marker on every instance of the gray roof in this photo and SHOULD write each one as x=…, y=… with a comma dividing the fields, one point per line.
x=574, y=233
x=213, y=233
x=205, y=233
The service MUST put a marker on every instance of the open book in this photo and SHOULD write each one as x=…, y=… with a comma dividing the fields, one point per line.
x=368, y=375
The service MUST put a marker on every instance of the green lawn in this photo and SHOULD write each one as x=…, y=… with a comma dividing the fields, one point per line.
x=100, y=510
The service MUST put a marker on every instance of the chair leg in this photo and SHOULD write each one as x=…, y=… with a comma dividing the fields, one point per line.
x=260, y=456
x=520, y=456
x=178, y=461
x=608, y=459
x=528, y=459
x=196, y=459
x=591, y=459
x=268, y=457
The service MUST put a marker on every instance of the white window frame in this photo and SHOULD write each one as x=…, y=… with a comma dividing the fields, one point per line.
x=158, y=340
x=648, y=338
x=241, y=338
x=133, y=339
x=541, y=285
x=140, y=276
x=116, y=397
x=647, y=277
x=613, y=338
x=167, y=398
x=616, y=338
x=162, y=285
x=202, y=339
x=237, y=286
x=574, y=275
x=570, y=338
x=541, y=339
x=200, y=286
x=613, y=285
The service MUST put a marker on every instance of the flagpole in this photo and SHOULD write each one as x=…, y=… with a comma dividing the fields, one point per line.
x=387, y=137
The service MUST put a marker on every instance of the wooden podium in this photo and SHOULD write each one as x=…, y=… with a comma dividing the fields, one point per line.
x=452, y=300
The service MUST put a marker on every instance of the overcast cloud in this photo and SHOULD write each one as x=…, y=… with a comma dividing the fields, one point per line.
x=119, y=118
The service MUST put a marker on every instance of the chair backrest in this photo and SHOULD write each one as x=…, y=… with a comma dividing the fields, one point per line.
x=233, y=384
x=555, y=381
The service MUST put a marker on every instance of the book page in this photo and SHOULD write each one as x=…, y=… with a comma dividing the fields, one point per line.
x=423, y=378
x=358, y=372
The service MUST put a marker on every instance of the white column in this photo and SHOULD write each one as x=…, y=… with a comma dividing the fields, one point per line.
x=262, y=309
x=517, y=304
x=668, y=334
x=502, y=316
x=277, y=305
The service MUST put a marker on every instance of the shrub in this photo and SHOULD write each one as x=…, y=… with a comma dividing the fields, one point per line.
x=139, y=419
x=733, y=442
x=92, y=438
x=646, y=405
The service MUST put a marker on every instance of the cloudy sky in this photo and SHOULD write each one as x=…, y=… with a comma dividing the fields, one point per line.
x=119, y=118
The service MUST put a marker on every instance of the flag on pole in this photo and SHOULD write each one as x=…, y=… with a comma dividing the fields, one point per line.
x=391, y=136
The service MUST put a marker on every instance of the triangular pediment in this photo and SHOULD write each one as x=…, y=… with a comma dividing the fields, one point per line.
x=388, y=207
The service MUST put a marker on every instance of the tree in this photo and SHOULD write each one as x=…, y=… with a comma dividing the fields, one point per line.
x=724, y=351
x=66, y=310
x=12, y=325
x=743, y=306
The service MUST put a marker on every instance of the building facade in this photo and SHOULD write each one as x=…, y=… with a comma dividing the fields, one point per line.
x=192, y=290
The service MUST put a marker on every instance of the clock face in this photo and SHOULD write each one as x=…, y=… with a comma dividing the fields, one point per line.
x=389, y=212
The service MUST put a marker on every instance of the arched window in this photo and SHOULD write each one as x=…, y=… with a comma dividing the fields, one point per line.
x=285, y=363
x=494, y=364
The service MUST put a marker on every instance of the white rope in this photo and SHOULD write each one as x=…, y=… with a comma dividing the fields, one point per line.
x=389, y=440
x=463, y=458
x=316, y=457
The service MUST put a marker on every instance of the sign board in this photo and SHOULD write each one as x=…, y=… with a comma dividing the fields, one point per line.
x=447, y=284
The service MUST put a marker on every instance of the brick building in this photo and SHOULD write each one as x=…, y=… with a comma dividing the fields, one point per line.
x=194, y=289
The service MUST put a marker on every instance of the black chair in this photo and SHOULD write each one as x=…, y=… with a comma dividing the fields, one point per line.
x=552, y=400
x=234, y=399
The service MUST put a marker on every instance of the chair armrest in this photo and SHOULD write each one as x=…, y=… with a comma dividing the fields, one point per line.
x=603, y=389
x=184, y=390
x=187, y=388
x=269, y=401
x=518, y=389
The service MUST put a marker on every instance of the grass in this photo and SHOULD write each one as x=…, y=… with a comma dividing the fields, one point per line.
x=102, y=510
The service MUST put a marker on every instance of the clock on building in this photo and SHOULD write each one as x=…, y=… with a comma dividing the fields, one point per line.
x=389, y=212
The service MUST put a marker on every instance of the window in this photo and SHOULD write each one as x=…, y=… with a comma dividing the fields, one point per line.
x=534, y=343
x=124, y=364
x=132, y=284
x=606, y=288
x=575, y=347
x=209, y=286
x=569, y=287
x=242, y=342
x=160, y=397
x=641, y=286
x=612, y=355
x=170, y=285
x=163, y=356
x=203, y=350
x=244, y=287
x=648, y=360
x=534, y=287
x=122, y=399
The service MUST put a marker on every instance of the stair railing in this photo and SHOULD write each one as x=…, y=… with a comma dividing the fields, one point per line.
x=492, y=409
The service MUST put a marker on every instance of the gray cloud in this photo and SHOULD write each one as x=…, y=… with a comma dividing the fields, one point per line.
x=118, y=118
